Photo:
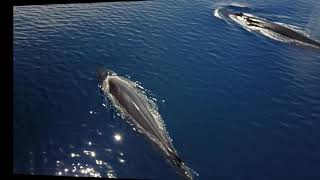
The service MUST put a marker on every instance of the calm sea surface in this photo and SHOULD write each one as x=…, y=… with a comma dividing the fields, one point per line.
x=237, y=105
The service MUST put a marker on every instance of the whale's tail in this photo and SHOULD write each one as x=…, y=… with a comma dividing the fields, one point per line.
x=184, y=169
x=174, y=156
x=178, y=160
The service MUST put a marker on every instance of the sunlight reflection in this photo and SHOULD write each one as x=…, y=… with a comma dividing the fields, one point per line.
x=99, y=162
x=121, y=160
x=75, y=155
x=95, y=168
x=111, y=175
x=90, y=153
x=117, y=137
x=108, y=149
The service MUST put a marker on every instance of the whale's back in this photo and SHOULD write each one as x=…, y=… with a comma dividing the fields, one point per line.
x=289, y=33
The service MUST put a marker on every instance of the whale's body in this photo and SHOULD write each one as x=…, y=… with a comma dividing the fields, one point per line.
x=254, y=23
x=137, y=109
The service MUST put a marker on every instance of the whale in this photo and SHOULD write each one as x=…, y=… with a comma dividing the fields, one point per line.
x=258, y=24
x=136, y=109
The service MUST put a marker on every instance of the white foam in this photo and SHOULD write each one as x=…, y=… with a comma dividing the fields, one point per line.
x=255, y=17
x=281, y=16
x=237, y=4
x=217, y=14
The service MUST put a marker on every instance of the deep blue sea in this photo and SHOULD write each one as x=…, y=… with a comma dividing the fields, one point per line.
x=237, y=105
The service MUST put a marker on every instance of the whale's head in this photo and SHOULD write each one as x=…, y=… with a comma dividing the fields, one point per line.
x=103, y=73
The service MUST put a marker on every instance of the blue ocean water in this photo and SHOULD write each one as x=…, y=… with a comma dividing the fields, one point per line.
x=236, y=104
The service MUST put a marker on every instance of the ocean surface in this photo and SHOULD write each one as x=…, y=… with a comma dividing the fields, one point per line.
x=237, y=105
